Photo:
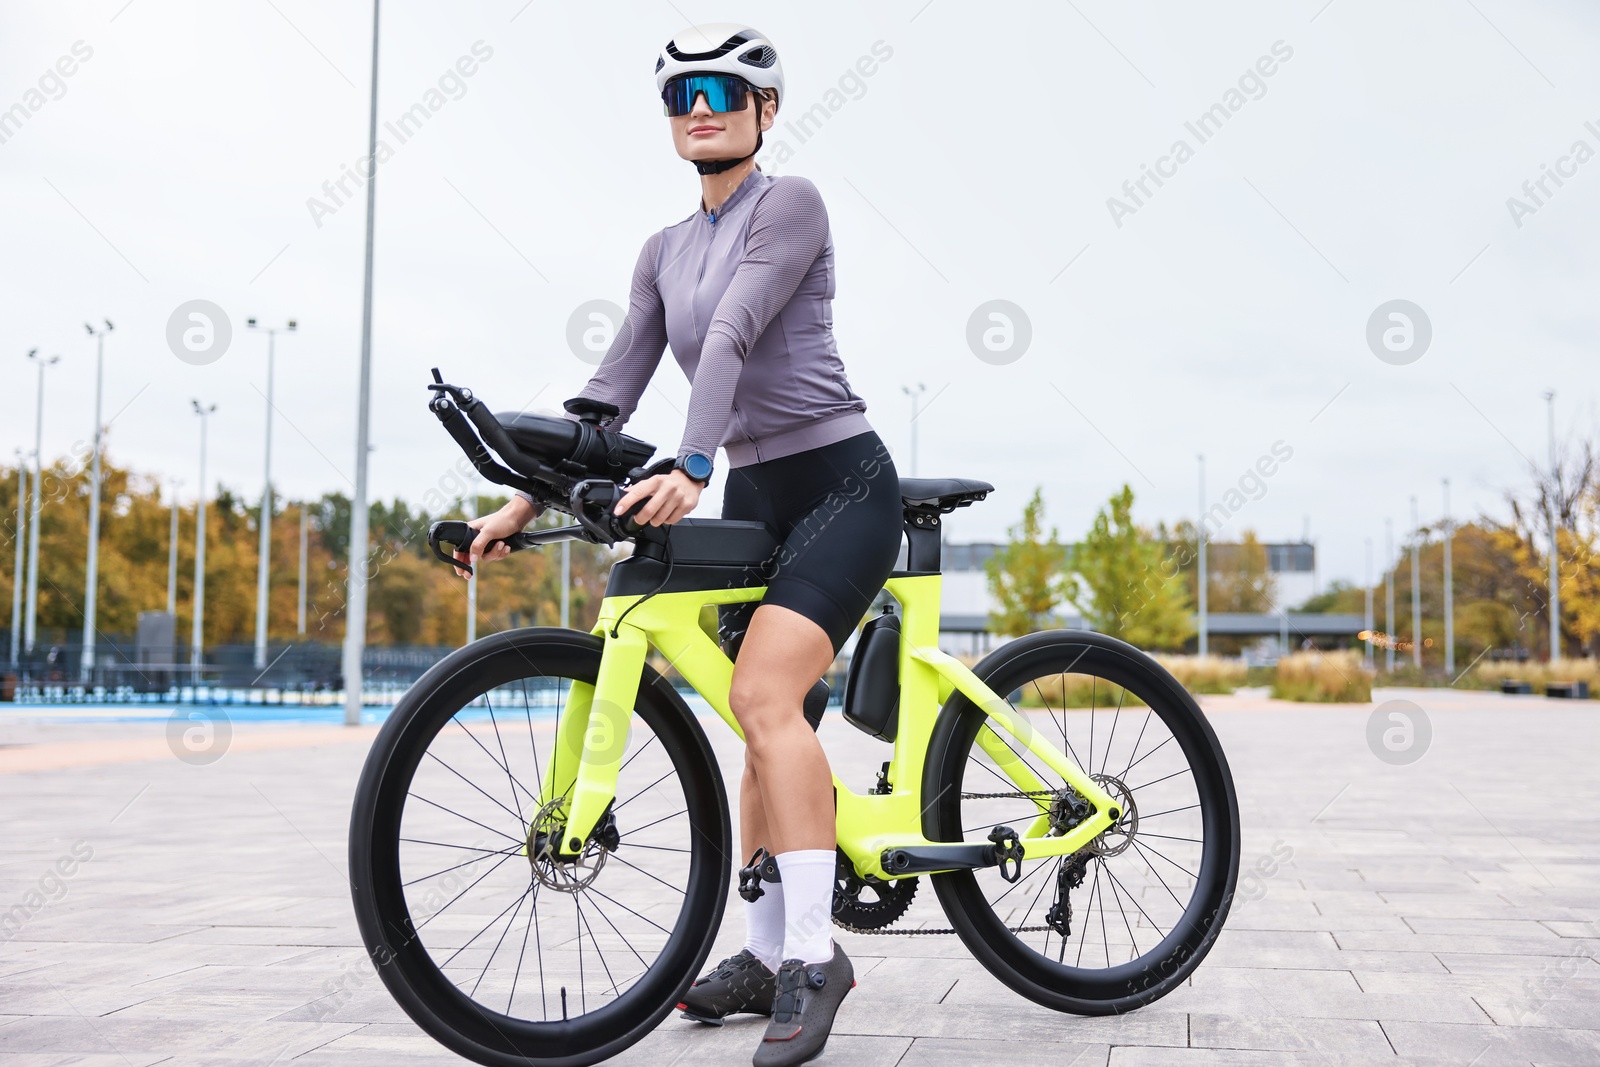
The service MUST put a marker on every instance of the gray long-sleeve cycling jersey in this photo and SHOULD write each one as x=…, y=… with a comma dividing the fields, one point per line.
x=744, y=297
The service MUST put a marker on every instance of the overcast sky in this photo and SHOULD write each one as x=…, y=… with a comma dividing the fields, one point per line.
x=1222, y=311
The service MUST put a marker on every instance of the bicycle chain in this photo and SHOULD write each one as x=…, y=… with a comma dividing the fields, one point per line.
x=935, y=930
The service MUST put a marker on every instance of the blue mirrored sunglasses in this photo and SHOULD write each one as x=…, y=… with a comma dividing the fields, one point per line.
x=723, y=92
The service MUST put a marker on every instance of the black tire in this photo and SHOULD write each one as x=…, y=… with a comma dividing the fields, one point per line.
x=975, y=901
x=607, y=1012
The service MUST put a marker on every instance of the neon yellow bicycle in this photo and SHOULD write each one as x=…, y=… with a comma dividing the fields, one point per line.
x=541, y=847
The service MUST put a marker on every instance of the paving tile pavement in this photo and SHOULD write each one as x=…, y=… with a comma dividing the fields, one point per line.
x=1438, y=913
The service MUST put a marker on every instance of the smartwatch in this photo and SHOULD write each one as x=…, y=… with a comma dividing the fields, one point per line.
x=696, y=466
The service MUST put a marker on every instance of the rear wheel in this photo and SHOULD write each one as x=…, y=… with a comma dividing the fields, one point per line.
x=1124, y=921
x=504, y=953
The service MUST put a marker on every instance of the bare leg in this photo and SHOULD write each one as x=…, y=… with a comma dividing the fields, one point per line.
x=786, y=795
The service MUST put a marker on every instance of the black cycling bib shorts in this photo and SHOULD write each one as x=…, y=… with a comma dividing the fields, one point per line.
x=837, y=514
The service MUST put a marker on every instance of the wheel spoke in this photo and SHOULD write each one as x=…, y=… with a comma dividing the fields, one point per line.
x=458, y=896
x=1105, y=940
x=1111, y=881
x=647, y=825
x=1169, y=811
x=457, y=867
x=1020, y=758
x=1081, y=939
x=1034, y=903
x=475, y=740
x=1140, y=849
x=516, y=974
x=492, y=799
x=458, y=815
x=646, y=873
x=1136, y=743
x=577, y=903
x=1180, y=866
x=629, y=910
x=1146, y=756
x=496, y=950
x=504, y=761
x=607, y=919
x=533, y=746
x=643, y=791
x=1105, y=763
x=1064, y=738
x=441, y=844
x=1185, y=769
x=1153, y=924
x=1020, y=881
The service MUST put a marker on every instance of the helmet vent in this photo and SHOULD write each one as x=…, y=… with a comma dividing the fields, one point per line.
x=659, y=64
x=760, y=56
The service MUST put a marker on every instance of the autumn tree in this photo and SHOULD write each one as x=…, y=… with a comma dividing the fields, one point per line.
x=1025, y=577
x=1125, y=582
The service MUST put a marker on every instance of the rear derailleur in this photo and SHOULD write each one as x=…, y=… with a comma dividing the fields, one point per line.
x=1069, y=876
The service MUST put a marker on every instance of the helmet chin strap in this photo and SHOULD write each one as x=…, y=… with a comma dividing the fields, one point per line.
x=717, y=166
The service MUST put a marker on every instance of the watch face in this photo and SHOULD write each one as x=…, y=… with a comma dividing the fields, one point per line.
x=697, y=466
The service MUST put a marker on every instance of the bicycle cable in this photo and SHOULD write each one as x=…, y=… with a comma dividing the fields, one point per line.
x=667, y=540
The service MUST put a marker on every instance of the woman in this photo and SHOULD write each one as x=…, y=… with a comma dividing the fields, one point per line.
x=742, y=291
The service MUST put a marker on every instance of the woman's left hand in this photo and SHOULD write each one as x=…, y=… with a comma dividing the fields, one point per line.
x=672, y=496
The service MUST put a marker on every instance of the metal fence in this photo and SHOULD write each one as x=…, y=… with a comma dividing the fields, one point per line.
x=126, y=670
x=307, y=673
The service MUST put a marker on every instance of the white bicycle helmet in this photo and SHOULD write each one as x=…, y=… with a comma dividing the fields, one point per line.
x=722, y=48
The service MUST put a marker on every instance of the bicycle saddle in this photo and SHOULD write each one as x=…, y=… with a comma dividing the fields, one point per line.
x=942, y=494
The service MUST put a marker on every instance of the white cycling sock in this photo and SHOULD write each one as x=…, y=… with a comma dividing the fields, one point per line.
x=763, y=925
x=808, y=877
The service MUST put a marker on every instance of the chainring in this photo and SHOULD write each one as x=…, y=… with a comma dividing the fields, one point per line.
x=860, y=906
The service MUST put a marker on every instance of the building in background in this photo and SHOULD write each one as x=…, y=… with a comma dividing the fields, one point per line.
x=963, y=624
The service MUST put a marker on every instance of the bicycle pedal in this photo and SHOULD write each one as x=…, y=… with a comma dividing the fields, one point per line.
x=1007, y=848
x=763, y=866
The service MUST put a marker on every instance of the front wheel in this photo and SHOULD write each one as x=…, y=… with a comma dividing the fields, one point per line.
x=494, y=943
x=1124, y=921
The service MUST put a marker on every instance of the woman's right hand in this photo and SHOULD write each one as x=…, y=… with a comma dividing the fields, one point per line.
x=498, y=526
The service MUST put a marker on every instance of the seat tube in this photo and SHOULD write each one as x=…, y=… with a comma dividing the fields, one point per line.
x=601, y=733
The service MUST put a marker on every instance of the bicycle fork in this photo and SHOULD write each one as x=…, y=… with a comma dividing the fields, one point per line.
x=580, y=782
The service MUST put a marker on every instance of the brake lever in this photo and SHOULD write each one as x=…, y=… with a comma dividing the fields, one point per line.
x=614, y=528
x=458, y=533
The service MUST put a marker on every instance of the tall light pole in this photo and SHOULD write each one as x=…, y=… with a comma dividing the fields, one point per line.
x=1200, y=541
x=305, y=526
x=1416, y=587
x=566, y=583
x=1388, y=594
x=1555, y=544
x=915, y=395
x=172, y=556
x=355, y=618
x=1367, y=659
x=16, y=569
x=264, y=555
x=92, y=583
x=197, y=639
x=30, y=627
x=1449, y=590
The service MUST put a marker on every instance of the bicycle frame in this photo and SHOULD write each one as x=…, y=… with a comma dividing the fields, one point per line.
x=592, y=735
